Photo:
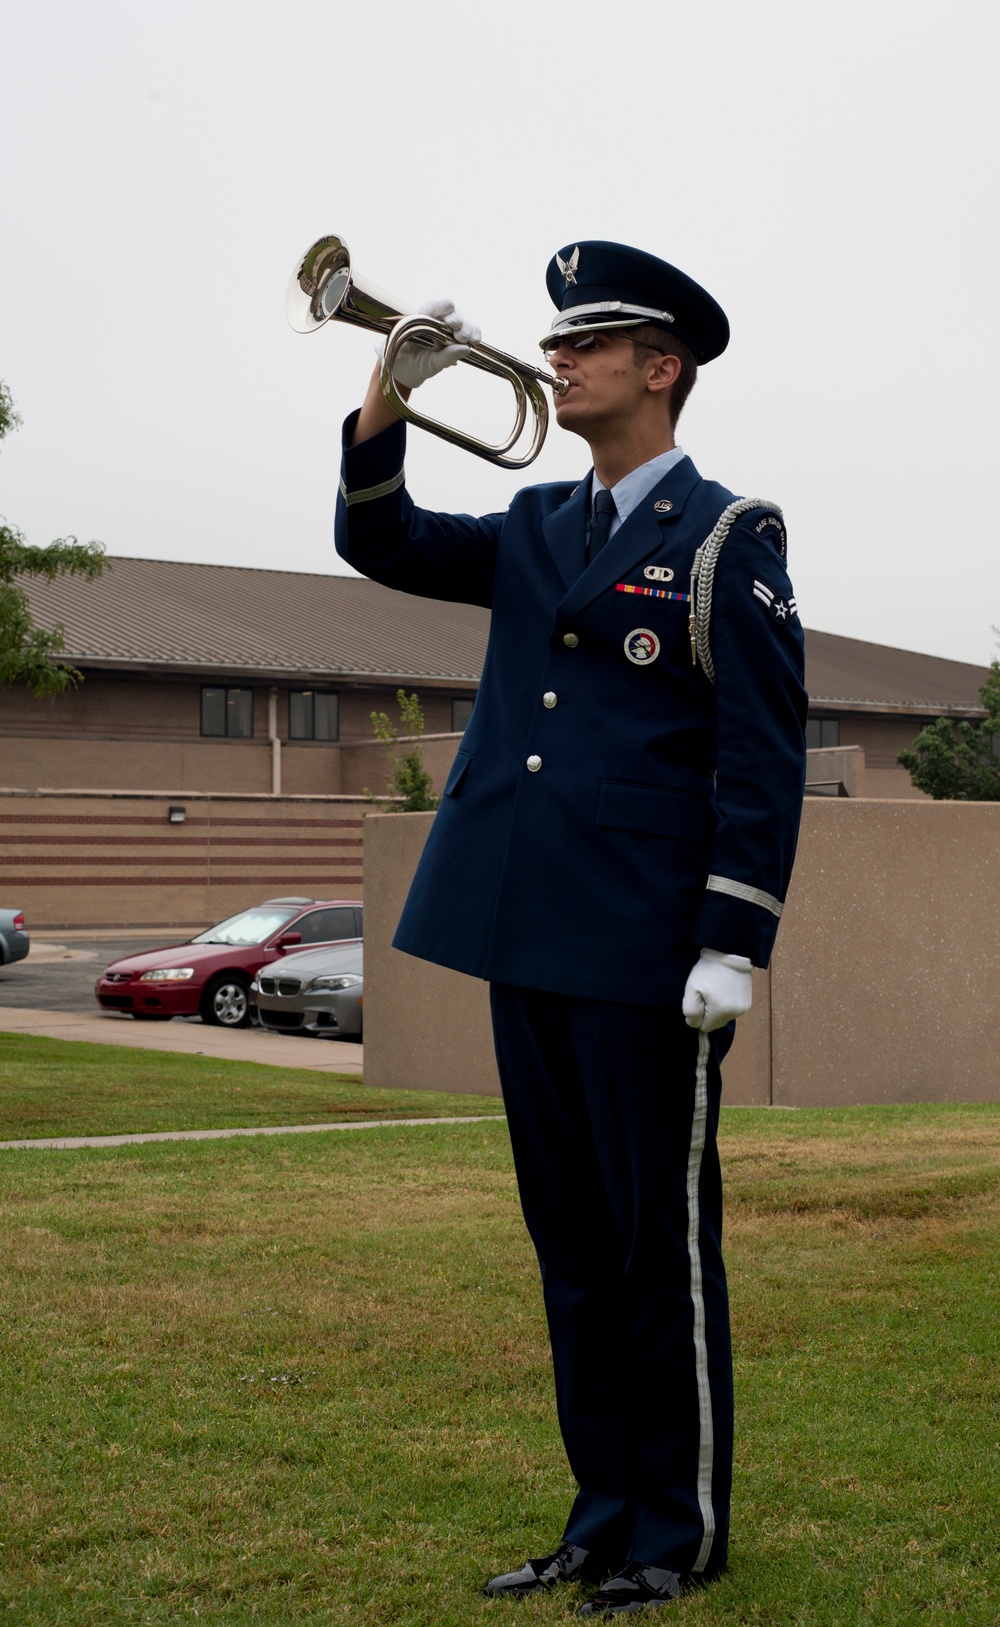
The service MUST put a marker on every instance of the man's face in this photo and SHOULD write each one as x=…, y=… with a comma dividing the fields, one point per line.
x=605, y=386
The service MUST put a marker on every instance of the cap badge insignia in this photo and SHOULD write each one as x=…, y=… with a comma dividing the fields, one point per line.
x=642, y=646
x=569, y=267
x=658, y=573
x=663, y=505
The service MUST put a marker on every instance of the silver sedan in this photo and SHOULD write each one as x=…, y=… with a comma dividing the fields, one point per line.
x=316, y=992
x=14, y=940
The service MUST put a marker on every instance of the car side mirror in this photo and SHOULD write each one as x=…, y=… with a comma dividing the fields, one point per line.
x=287, y=939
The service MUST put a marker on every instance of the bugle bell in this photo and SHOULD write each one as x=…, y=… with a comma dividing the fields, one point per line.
x=324, y=288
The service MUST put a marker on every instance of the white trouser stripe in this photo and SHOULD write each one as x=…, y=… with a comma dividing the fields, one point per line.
x=706, y=1428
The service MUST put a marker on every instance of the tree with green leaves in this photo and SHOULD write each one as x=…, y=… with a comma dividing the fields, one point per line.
x=410, y=785
x=960, y=764
x=28, y=653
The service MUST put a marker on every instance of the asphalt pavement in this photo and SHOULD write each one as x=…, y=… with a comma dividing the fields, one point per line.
x=61, y=969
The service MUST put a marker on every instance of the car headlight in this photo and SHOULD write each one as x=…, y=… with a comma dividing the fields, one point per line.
x=168, y=974
x=347, y=981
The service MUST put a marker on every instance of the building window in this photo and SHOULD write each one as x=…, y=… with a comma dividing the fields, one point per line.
x=461, y=711
x=313, y=714
x=822, y=733
x=227, y=712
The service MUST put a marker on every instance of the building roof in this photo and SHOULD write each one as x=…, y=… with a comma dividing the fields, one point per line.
x=168, y=616
x=850, y=675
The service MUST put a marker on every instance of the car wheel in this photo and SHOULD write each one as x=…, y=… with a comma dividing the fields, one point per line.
x=226, y=1001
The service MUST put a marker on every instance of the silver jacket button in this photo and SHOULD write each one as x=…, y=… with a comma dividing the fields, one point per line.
x=570, y=640
x=534, y=764
x=549, y=698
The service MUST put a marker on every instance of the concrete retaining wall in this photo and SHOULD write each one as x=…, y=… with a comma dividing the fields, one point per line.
x=94, y=857
x=423, y=1025
x=114, y=859
x=884, y=987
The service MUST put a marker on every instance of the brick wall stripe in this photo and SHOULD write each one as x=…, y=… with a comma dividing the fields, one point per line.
x=261, y=823
x=183, y=881
x=189, y=859
x=58, y=839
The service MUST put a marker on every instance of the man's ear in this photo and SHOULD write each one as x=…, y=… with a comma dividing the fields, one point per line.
x=664, y=374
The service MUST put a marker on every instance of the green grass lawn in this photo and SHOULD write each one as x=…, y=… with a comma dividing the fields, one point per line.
x=306, y=1379
x=54, y=1087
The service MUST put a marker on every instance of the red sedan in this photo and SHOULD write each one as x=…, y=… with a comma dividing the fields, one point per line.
x=211, y=975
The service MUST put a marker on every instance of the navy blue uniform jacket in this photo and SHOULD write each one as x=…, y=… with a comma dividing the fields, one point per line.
x=664, y=815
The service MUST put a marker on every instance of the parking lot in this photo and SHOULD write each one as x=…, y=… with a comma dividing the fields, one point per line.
x=61, y=969
x=51, y=993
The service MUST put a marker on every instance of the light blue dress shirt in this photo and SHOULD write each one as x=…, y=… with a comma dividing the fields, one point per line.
x=632, y=488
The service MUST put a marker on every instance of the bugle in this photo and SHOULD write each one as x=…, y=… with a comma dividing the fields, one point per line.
x=324, y=288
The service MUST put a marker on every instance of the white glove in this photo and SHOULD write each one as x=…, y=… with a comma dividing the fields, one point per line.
x=719, y=988
x=416, y=362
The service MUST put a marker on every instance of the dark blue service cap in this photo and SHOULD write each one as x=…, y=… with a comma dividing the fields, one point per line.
x=606, y=285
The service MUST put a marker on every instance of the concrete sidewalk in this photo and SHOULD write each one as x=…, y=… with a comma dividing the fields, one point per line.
x=62, y=1143
x=193, y=1038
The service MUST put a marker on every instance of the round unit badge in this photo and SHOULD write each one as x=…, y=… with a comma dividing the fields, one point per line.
x=642, y=646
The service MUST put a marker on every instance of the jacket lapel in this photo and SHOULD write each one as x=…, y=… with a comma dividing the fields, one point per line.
x=639, y=536
x=565, y=531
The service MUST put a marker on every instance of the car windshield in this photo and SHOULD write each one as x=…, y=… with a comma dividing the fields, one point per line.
x=249, y=927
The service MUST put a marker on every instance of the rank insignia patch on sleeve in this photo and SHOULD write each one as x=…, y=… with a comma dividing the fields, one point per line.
x=781, y=609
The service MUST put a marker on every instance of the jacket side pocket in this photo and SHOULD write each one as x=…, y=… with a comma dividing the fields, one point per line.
x=653, y=810
x=459, y=768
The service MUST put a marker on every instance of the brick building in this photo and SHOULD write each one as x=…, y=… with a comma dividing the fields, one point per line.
x=222, y=678
x=241, y=699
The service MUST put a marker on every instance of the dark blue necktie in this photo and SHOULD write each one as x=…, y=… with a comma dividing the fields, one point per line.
x=604, y=513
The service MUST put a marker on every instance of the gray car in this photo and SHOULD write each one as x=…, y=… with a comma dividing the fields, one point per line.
x=318, y=991
x=14, y=940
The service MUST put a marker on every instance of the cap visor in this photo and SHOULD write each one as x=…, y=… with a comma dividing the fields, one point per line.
x=570, y=328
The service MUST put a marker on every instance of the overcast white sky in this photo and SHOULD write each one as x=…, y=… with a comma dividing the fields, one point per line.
x=828, y=172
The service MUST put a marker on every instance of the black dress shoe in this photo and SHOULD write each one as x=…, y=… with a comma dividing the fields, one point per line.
x=638, y=1587
x=567, y=1564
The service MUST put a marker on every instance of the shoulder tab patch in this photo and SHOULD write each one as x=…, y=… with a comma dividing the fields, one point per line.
x=773, y=520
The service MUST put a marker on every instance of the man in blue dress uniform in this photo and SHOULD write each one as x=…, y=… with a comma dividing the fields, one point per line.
x=611, y=852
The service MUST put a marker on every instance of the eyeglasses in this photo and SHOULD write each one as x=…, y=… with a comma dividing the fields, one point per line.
x=582, y=342
x=570, y=341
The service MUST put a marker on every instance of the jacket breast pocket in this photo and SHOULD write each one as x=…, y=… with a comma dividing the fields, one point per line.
x=654, y=810
x=453, y=784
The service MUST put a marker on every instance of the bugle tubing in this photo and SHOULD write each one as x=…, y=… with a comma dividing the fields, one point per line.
x=324, y=288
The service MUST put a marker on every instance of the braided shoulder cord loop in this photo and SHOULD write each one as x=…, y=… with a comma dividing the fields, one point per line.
x=703, y=578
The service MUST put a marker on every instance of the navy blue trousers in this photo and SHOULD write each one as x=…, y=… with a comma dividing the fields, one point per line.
x=613, y=1112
